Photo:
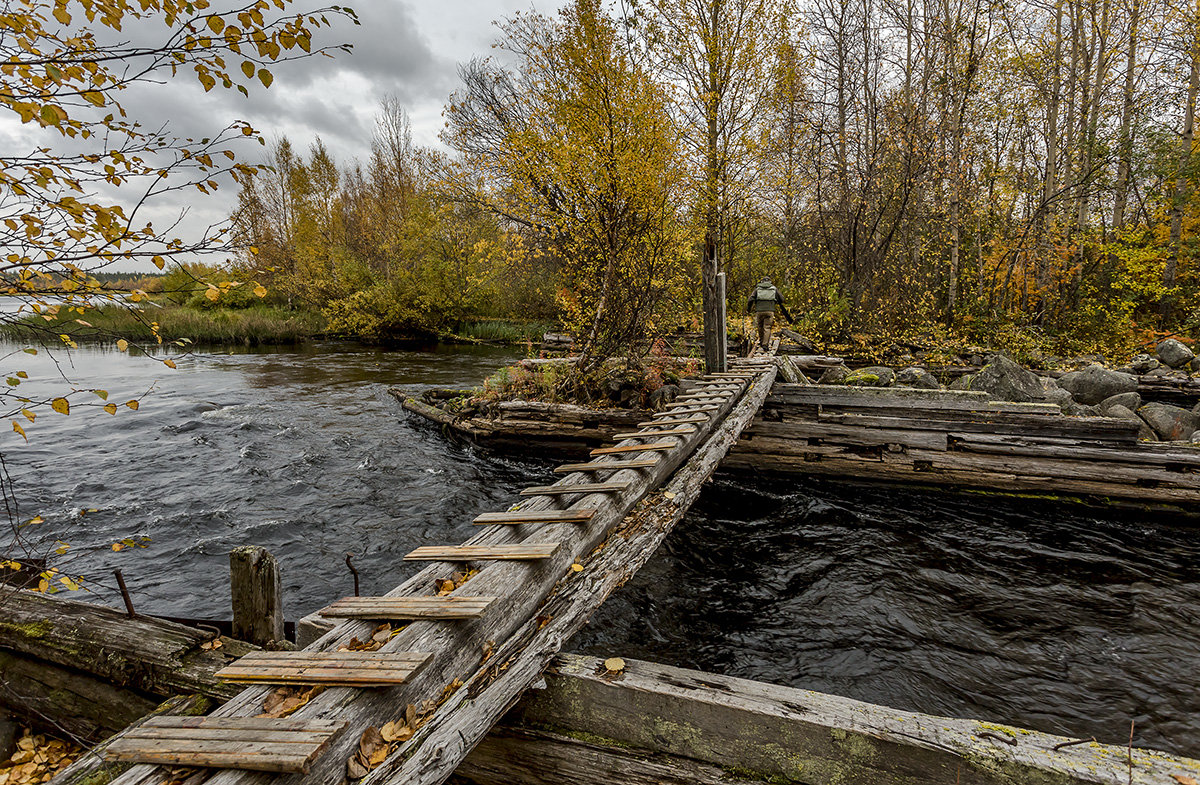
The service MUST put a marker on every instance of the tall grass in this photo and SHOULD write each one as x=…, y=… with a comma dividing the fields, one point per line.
x=504, y=331
x=249, y=326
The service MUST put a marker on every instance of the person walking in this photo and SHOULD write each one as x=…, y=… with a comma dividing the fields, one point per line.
x=763, y=299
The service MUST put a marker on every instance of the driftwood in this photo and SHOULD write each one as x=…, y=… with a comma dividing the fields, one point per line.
x=458, y=647
x=152, y=656
x=656, y=723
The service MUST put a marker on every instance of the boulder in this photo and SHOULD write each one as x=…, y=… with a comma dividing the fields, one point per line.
x=1095, y=383
x=1173, y=353
x=1194, y=365
x=835, y=375
x=1005, y=380
x=1143, y=363
x=1119, y=412
x=1062, y=398
x=917, y=377
x=1171, y=423
x=963, y=382
x=1164, y=372
x=663, y=396
x=1075, y=409
x=1130, y=400
x=873, y=376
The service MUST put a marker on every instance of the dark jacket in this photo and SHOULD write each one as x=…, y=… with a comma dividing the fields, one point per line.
x=764, y=299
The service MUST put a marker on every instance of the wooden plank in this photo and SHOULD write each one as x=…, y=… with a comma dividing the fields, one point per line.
x=537, y=516
x=594, y=466
x=256, y=589
x=1089, y=429
x=385, y=608
x=581, y=487
x=704, y=396
x=690, y=407
x=468, y=553
x=228, y=742
x=674, y=421
x=634, y=448
x=335, y=667
x=650, y=433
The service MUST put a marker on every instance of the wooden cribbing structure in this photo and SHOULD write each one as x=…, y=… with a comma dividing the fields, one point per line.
x=502, y=652
x=962, y=440
x=391, y=608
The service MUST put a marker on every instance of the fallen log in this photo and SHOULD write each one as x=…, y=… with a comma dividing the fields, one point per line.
x=657, y=723
x=152, y=656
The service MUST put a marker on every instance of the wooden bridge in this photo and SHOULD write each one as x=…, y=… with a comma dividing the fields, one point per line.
x=406, y=684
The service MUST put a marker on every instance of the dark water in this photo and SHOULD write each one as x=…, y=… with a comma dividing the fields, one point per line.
x=1046, y=617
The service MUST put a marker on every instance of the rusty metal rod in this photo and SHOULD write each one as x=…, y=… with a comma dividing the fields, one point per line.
x=353, y=572
x=125, y=593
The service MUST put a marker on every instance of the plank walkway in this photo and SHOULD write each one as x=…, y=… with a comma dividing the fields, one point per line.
x=518, y=558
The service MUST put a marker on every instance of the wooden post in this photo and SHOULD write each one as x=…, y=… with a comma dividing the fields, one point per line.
x=722, y=325
x=257, y=595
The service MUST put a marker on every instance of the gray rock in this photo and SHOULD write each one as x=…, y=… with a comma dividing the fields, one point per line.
x=1171, y=423
x=1005, y=380
x=963, y=382
x=1074, y=409
x=873, y=376
x=835, y=375
x=1095, y=383
x=1163, y=372
x=917, y=377
x=1143, y=363
x=1119, y=412
x=1130, y=400
x=1062, y=398
x=1194, y=365
x=662, y=396
x=1174, y=353
x=1195, y=438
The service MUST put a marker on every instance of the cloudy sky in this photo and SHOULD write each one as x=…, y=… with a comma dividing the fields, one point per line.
x=406, y=48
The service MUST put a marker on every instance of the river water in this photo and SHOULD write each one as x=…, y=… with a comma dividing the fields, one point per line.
x=1038, y=615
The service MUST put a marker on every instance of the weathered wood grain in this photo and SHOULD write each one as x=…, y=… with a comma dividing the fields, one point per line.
x=634, y=448
x=579, y=487
x=155, y=657
x=469, y=553
x=598, y=466
x=387, y=608
x=771, y=734
x=257, y=592
x=574, y=515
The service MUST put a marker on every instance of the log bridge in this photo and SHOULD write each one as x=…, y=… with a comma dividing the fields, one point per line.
x=469, y=633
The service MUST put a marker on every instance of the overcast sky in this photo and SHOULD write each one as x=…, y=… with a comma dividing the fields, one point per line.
x=407, y=48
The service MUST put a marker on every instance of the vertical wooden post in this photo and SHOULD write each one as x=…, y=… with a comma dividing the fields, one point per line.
x=723, y=325
x=257, y=595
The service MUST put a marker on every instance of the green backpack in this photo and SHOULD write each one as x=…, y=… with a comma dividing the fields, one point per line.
x=764, y=299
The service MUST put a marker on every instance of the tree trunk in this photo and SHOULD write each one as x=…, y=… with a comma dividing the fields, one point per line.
x=1125, y=162
x=1179, y=197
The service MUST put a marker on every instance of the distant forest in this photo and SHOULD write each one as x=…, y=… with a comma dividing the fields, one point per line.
x=1018, y=172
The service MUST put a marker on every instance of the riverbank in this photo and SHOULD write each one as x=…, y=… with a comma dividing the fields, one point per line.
x=257, y=325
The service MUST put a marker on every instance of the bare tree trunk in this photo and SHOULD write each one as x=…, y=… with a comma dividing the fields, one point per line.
x=1125, y=162
x=710, y=265
x=1179, y=197
x=1050, y=183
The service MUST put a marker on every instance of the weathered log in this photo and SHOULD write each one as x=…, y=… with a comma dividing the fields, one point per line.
x=521, y=588
x=92, y=769
x=625, y=725
x=153, y=656
x=257, y=592
x=57, y=699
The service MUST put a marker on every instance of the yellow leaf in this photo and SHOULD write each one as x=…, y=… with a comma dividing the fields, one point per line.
x=29, y=415
x=62, y=16
x=265, y=77
x=111, y=408
x=35, y=520
x=122, y=345
x=101, y=394
x=69, y=583
x=213, y=293
x=169, y=363
x=17, y=427
x=116, y=546
x=577, y=567
x=260, y=290
x=61, y=405
x=216, y=24
x=159, y=262
x=614, y=665
x=248, y=69
x=132, y=405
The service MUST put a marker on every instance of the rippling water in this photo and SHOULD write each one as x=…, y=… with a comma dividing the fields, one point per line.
x=1042, y=616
